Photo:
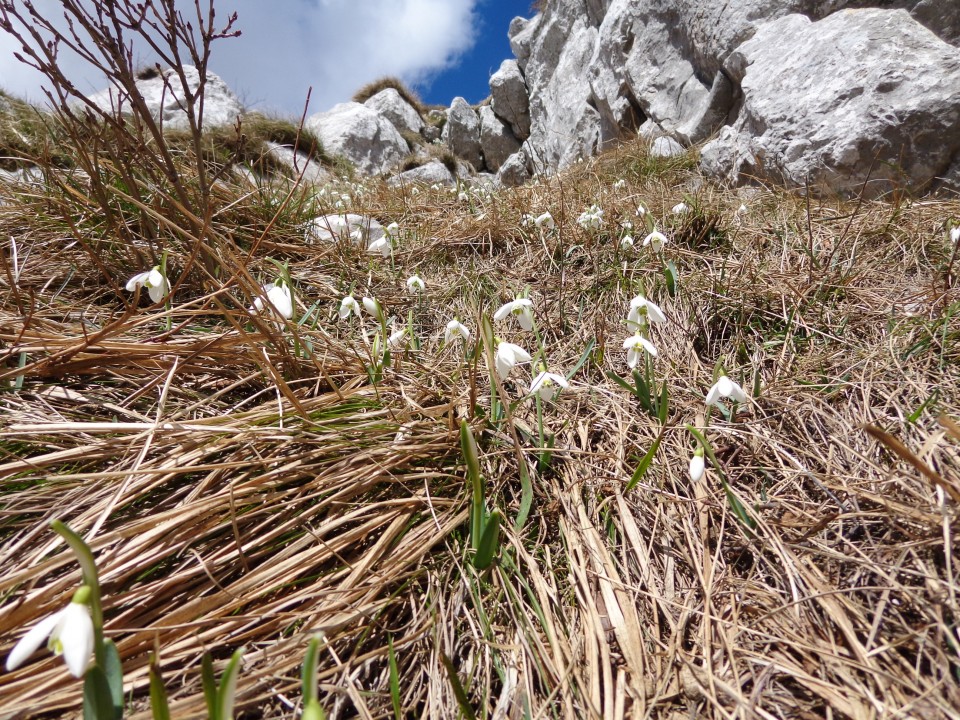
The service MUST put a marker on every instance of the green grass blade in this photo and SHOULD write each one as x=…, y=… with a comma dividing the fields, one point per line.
x=395, y=682
x=489, y=542
x=645, y=463
x=465, y=710
x=209, y=686
x=159, y=704
x=308, y=674
x=228, y=687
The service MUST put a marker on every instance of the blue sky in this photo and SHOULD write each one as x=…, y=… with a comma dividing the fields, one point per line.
x=443, y=48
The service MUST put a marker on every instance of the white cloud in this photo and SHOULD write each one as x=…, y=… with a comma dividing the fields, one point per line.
x=335, y=46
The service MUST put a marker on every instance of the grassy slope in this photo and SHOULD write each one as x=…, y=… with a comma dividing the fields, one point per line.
x=245, y=485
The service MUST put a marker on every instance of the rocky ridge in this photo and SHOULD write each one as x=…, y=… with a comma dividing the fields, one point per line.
x=838, y=95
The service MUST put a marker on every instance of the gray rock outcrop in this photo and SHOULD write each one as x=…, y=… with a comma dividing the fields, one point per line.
x=426, y=174
x=508, y=93
x=825, y=104
x=461, y=133
x=163, y=94
x=393, y=107
x=496, y=139
x=360, y=134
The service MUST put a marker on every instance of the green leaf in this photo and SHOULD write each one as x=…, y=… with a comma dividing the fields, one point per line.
x=97, y=702
x=672, y=278
x=643, y=390
x=583, y=358
x=663, y=406
x=308, y=675
x=526, y=497
x=645, y=463
x=228, y=687
x=159, y=704
x=457, y=687
x=468, y=445
x=738, y=508
x=394, y=682
x=113, y=671
x=622, y=383
x=209, y=686
x=489, y=542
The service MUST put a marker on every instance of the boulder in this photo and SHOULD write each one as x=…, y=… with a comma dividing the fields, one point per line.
x=514, y=171
x=361, y=135
x=666, y=146
x=427, y=174
x=398, y=111
x=461, y=133
x=509, y=98
x=860, y=94
x=298, y=165
x=496, y=139
x=520, y=35
x=163, y=93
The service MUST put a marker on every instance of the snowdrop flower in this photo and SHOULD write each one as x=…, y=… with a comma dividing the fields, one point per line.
x=455, y=329
x=635, y=345
x=153, y=280
x=656, y=240
x=545, y=220
x=626, y=242
x=414, y=190
x=545, y=385
x=393, y=342
x=642, y=311
x=522, y=308
x=697, y=466
x=392, y=230
x=680, y=208
x=349, y=306
x=68, y=632
x=641, y=210
x=415, y=284
x=280, y=299
x=954, y=234
x=509, y=355
x=725, y=387
x=380, y=245
x=526, y=220
x=620, y=184
x=372, y=306
x=742, y=210
x=591, y=219
x=463, y=197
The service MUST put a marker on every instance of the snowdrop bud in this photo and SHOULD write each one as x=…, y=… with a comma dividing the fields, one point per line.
x=680, y=208
x=372, y=306
x=697, y=466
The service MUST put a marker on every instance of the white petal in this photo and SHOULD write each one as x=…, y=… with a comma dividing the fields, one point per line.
x=725, y=386
x=525, y=318
x=137, y=281
x=736, y=393
x=34, y=638
x=504, y=361
x=713, y=395
x=648, y=346
x=76, y=637
x=371, y=306
x=696, y=467
x=281, y=299
x=397, y=337
x=520, y=355
x=633, y=356
x=503, y=311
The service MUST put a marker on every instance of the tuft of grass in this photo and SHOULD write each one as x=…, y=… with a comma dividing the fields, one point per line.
x=372, y=88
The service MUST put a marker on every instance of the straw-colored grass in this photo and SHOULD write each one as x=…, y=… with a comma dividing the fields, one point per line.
x=244, y=484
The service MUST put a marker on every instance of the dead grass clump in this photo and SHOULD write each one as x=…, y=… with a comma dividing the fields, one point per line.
x=372, y=88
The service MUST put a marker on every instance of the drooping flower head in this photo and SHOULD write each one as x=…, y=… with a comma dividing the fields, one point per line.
x=636, y=345
x=280, y=298
x=415, y=284
x=656, y=240
x=397, y=338
x=455, y=329
x=546, y=385
x=642, y=312
x=68, y=632
x=626, y=242
x=591, y=219
x=349, y=306
x=157, y=285
x=725, y=387
x=681, y=208
x=509, y=355
x=521, y=308
x=381, y=245
x=545, y=220
x=372, y=306
x=697, y=466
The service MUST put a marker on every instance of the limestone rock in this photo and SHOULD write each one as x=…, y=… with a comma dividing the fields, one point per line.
x=520, y=34
x=666, y=146
x=299, y=165
x=514, y=171
x=461, y=133
x=163, y=94
x=398, y=111
x=496, y=139
x=360, y=134
x=427, y=174
x=861, y=93
x=509, y=98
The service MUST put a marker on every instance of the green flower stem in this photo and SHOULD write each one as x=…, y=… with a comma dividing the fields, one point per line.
x=91, y=579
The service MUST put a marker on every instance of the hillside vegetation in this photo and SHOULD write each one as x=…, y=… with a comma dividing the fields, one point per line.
x=249, y=481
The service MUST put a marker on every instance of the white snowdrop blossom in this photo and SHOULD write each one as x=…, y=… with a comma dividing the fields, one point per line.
x=626, y=242
x=545, y=220
x=280, y=298
x=620, y=184
x=395, y=339
x=509, y=355
x=591, y=219
x=527, y=219
x=68, y=632
x=636, y=345
x=743, y=209
x=416, y=284
x=521, y=308
x=392, y=230
x=455, y=329
x=372, y=306
x=641, y=211
x=643, y=311
x=656, y=240
x=153, y=280
x=680, y=208
x=697, y=466
x=463, y=197
x=380, y=245
x=349, y=306
x=546, y=383
x=955, y=234
x=725, y=387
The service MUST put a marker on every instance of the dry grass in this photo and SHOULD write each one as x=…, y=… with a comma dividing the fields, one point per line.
x=244, y=484
x=384, y=83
